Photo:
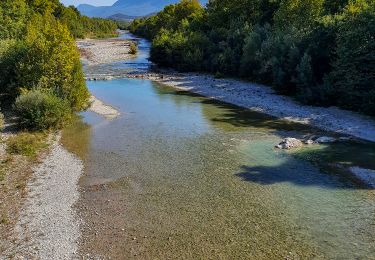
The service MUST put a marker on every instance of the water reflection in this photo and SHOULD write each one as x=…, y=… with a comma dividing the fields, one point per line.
x=76, y=137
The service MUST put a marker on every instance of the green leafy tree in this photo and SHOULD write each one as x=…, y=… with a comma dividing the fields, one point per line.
x=320, y=51
x=52, y=61
x=43, y=6
x=353, y=72
x=13, y=15
x=300, y=14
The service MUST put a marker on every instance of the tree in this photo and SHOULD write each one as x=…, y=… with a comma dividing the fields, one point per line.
x=353, y=72
x=43, y=6
x=300, y=14
x=52, y=61
x=13, y=14
x=320, y=51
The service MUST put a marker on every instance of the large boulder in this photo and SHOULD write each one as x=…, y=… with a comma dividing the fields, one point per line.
x=289, y=143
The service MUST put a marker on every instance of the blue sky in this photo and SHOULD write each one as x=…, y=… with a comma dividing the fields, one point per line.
x=91, y=2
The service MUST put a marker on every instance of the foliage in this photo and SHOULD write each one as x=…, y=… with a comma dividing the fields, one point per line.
x=11, y=51
x=39, y=110
x=38, y=51
x=133, y=48
x=13, y=15
x=300, y=14
x=83, y=26
x=320, y=51
x=171, y=19
x=26, y=144
x=353, y=73
x=123, y=25
x=52, y=62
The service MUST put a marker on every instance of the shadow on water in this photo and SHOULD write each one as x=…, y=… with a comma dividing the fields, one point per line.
x=317, y=165
x=221, y=115
x=324, y=166
x=246, y=118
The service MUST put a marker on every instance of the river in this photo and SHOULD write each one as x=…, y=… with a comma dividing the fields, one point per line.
x=181, y=176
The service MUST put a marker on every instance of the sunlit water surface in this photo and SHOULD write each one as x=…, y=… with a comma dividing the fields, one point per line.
x=205, y=177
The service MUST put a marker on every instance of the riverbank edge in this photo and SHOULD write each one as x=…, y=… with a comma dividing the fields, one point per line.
x=264, y=99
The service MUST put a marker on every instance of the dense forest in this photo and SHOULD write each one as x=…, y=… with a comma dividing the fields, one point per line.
x=322, y=52
x=41, y=76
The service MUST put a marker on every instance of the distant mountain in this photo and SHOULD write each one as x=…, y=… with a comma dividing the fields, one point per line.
x=127, y=7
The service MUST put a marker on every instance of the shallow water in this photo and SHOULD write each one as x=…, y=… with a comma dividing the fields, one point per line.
x=196, y=178
x=138, y=64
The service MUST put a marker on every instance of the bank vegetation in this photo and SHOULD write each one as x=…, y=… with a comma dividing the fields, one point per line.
x=322, y=52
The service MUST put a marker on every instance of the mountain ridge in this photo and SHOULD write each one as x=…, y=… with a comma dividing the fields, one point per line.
x=126, y=7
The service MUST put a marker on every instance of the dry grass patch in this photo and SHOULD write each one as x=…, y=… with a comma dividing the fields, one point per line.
x=23, y=152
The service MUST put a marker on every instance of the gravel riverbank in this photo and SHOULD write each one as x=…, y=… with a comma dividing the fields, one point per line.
x=102, y=51
x=48, y=227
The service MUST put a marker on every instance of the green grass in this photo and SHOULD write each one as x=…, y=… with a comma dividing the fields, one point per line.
x=26, y=144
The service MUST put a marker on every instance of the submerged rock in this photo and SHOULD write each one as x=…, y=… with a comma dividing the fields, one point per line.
x=289, y=143
x=309, y=142
x=325, y=139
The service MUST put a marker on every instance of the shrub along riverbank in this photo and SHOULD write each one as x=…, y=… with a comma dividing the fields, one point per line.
x=39, y=61
x=322, y=52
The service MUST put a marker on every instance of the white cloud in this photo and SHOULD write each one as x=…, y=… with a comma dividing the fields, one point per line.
x=90, y=2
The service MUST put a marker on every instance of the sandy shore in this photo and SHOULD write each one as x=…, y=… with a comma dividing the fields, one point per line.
x=100, y=108
x=48, y=227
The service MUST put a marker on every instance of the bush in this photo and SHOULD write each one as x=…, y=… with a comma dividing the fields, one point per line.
x=27, y=144
x=39, y=110
x=133, y=48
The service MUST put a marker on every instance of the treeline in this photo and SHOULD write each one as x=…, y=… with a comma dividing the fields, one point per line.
x=320, y=51
x=83, y=26
x=41, y=76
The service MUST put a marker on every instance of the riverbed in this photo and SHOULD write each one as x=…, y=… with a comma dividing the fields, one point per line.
x=179, y=175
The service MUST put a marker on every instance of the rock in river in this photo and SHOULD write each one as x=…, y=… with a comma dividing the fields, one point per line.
x=309, y=142
x=289, y=143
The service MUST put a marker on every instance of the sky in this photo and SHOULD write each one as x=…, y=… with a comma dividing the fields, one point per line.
x=91, y=2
